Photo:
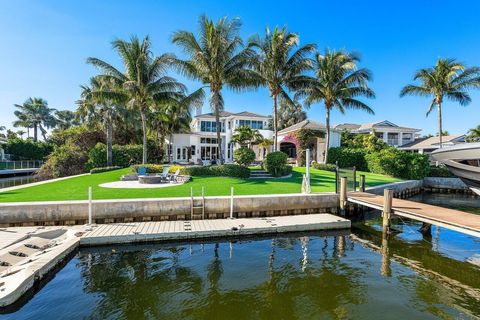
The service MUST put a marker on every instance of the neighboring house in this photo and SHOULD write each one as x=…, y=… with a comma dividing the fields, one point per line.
x=427, y=145
x=389, y=132
x=201, y=142
x=287, y=142
x=3, y=142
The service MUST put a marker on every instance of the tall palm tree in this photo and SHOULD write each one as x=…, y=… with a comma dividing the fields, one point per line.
x=280, y=66
x=144, y=82
x=35, y=113
x=474, y=134
x=215, y=59
x=448, y=79
x=338, y=83
x=95, y=107
x=246, y=136
x=289, y=114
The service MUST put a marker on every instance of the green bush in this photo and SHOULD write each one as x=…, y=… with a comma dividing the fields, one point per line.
x=440, y=172
x=276, y=164
x=122, y=156
x=224, y=170
x=66, y=160
x=397, y=163
x=104, y=169
x=27, y=149
x=348, y=157
x=244, y=156
x=151, y=168
x=326, y=167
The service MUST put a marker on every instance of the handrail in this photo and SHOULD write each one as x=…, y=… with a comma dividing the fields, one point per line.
x=20, y=164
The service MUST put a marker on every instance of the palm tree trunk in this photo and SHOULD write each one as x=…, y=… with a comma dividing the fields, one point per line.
x=109, y=141
x=327, y=134
x=144, y=129
x=162, y=146
x=35, y=132
x=440, y=133
x=42, y=130
x=215, y=100
x=275, y=123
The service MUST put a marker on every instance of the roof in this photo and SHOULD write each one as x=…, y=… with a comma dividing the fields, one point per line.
x=305, y=124
x=224, y=114
x=433, y=142
x=367, y=127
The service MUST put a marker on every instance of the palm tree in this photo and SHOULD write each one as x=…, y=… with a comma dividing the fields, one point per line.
x=474, y=134
x=21, y=133
x=215, y=59
x=35, y=113
x=289, y=114
x=264, y=145
x=448, y=79
x=279, y=66
x=2, y=128
x=65, y=119
x=338, y=84
x=95, y=107
x=144, y=83
x=246, y=136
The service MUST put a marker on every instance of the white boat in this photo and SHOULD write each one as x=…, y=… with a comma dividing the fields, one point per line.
x=463, y=161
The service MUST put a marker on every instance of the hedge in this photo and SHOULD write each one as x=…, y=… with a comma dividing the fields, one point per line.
x=122, y=156
x=244, y=156
x=440, y=172
x=224, y=170
x=104, y=169
x=326, y=167
x=348, y=157
x=276, y=164
x=397, y=163
x=27, y=149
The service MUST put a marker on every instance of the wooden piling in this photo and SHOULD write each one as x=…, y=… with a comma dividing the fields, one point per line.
x=387, y=208
x=362, y=183
x=343, y=194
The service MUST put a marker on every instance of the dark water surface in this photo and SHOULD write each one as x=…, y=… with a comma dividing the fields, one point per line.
x=351, y=275
x=16, y=181
x=468, y=203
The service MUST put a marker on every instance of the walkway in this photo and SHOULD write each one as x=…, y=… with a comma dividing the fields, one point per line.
x=460, y=221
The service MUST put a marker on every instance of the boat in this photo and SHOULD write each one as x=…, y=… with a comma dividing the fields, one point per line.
x=463, y=161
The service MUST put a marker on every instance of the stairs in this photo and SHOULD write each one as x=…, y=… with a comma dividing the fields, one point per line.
x=260, y=174
x=197, y=205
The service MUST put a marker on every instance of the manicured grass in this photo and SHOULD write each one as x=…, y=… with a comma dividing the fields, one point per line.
x=76, y=188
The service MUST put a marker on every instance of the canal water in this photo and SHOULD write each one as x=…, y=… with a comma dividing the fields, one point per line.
x=357, y=275
x=16, y=181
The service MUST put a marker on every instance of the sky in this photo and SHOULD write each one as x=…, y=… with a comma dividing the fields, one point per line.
x=45, y=45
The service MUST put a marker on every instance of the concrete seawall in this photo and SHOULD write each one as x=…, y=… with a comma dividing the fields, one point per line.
x=129, y=210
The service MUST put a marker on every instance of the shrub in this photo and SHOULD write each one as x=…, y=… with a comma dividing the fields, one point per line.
x=276, y=163
x=151, y=168
x=398, y=163
x=348, y=157
x=174, y=168
x=122, y=156
x=244, y=156
x=326, y=167
x=27, y=149
x=224, y=170
x=104, y=169
x=66, y=160
x=440, y=172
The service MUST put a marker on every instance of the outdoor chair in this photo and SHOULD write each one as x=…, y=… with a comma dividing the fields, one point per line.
x=174, y=177
x=164, y=175
x=142, y=171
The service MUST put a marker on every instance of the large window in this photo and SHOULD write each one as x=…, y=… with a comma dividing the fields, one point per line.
x=211, y=126
x=254, y=124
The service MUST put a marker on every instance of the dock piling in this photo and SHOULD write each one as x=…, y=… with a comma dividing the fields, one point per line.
x=89, y=205
x=362, y=183
x=231, y=203
x=387, y=208
x=343, y=195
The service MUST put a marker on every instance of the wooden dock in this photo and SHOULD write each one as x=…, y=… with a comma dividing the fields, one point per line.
x=460, y=221
x=197, y=229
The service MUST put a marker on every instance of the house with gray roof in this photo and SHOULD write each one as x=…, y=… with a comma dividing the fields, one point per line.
x=391, y=133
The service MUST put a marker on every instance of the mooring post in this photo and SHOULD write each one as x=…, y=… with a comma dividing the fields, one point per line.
x=231, y=203
x=343, y=195
x=90, y=205
x=387, y=208
x=362, y=183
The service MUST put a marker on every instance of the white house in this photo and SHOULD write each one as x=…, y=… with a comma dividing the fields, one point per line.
x=287, y=142
x=3, y=141
x=201, y=142
x=427, y=145
x=389, y=132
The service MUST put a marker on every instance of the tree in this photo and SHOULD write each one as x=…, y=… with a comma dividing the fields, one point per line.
x=65, y=119
x=144, y=83
x=2, y=128
x=448, y=79
x=215, y=59
x=474, y=134
x=95, y=107
x=35, y=113
x=279, y=67
x=246, y=136
x=338, y=84
x=21, y=133
x=265, y=144
x=289, y=114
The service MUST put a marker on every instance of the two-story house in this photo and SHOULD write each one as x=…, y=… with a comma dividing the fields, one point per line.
x=200, y=144
x=389, y=132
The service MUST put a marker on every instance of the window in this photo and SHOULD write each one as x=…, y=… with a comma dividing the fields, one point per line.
x=254, y=124
x=192, y=148
x=211, y=126
x=407, y=137
x=178, y=153
x=208, y=140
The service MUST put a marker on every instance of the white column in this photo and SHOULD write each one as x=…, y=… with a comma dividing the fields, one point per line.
x=400, y=138
x=385, y=137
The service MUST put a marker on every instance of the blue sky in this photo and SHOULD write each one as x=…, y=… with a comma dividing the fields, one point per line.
x=45, y=44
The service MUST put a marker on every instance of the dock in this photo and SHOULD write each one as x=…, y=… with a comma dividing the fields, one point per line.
x=456, y=220
x=211, y=228
x=4, y=172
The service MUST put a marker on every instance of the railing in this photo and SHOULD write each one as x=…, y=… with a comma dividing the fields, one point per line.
x=21, y=164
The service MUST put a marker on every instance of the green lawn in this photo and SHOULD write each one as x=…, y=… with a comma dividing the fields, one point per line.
x=76, y=188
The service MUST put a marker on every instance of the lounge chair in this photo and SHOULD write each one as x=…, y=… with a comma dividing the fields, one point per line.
x=174, y=177
x=164, y=175
x=142, y=171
